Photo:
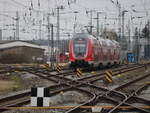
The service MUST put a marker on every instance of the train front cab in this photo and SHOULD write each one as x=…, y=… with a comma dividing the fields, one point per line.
x=80, y=52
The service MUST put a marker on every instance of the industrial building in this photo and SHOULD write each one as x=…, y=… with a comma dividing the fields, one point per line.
x=20, y=52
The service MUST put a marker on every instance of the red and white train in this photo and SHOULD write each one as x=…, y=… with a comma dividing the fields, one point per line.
x=87, y=51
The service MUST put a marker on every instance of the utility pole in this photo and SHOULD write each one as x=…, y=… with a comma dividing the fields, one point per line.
x=98, y=29
x=101, y=28
x=119, y=21
x=1, y=35
x=40, y=24
x=118, y=5
x=58, y=30
x=97, y=24
x=138, y=46
x=14, y=36
x=123, y=14
x=91, y=16
x=148, y=38
x=122, y=33
x=48, y=18
x=17, y=25
x=129, y=35
x=105, y=28
x=58, y=27
x=123, y=40
x=57, y=35
x=52, y=46
x=75, y=21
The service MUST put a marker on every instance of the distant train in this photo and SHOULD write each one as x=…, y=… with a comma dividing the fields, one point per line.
x=87, y=51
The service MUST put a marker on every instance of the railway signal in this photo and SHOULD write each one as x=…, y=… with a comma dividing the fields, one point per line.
x=108, y=76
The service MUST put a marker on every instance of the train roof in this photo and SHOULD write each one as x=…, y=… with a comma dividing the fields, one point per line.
x=83, y=35
x=109, y=42
x=88, y=36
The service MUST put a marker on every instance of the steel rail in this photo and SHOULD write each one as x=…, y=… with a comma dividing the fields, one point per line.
x=129, y=97
x=77, y=109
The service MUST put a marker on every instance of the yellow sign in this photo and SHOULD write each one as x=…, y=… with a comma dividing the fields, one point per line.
x=78, y=72
x=108, y=76
x=47, y=66
x=58, y=68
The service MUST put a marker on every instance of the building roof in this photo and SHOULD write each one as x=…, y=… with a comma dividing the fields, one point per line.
x=18, y=43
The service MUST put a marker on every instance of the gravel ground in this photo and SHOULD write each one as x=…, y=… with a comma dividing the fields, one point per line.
x=74, y=97
x=68, y=98
x=123, y=78
x=26, y=81
x=145, y=94
x=34, y=111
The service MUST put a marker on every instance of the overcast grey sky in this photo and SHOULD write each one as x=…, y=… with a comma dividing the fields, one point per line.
x=29, y=20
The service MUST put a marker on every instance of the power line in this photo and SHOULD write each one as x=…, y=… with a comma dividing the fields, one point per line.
x=18, y=3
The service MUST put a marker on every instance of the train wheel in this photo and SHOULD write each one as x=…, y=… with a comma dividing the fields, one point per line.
x=91, y=67
x=115, y=64
x=108, y=65
x=100, y=66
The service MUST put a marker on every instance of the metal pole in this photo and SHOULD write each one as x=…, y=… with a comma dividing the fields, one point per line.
x=14, y=36
x=48, y=18
x=119, y=22
x=138, y=46
x=40, y=22
x=97, y=24
x=75, y=21
x=17, y=25
x=52, y=46
x=1, y=34
x=91, y=21
x=57, y=34
x=129, y=35
x=105, y=27
x=148, y=38
x=122, y=36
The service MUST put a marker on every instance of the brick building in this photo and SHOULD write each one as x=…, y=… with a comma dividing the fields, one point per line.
x=20, y=52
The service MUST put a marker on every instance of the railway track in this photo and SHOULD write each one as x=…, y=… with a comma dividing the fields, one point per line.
x=96, y=77
x=65, y=84
x=115, y=99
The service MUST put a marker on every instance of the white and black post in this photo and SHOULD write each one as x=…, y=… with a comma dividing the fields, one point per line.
x=40, y=97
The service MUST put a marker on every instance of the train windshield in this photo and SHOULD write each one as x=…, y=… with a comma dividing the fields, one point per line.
x=79, y=47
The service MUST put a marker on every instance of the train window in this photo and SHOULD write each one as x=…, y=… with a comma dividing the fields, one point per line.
x=95, y=42
x=79, y=47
